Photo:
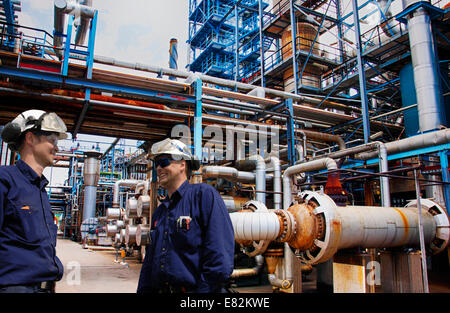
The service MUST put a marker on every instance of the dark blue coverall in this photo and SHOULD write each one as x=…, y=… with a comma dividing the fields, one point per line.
x=198, y=257
x=27, y=231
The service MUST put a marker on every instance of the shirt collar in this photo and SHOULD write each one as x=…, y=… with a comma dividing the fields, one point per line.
x=31, y=174
x=178, y=194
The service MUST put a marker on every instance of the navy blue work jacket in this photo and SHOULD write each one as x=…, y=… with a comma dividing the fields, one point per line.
x=198, y=258
x=27, y=228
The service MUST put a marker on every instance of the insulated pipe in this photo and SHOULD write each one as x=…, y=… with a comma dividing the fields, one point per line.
x=325, y=137
x=365, y=226
x=421, y=141
x=62, y=7
x=382, y=227
x=116, y=190
x=260, y=173
x=255, y=226
x=257, y=163
x=240, y=272
x=83, y=27
x=426, y=78
x=173, y=56
x=227, y=173
x=314, y=165
x=274, y=162
x=205, y=78
x=330, y=164
x=59, y=23
x=91, y=174
x=317, y=228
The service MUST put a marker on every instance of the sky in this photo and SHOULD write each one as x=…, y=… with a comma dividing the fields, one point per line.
x=136, y=31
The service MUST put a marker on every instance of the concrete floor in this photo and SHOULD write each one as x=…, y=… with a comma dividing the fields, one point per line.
x=94, y=271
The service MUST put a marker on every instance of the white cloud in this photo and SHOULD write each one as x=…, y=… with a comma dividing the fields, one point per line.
x=136, y=31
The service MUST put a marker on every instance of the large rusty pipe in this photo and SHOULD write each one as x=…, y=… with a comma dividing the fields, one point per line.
x=363, y=226
x=317, y=228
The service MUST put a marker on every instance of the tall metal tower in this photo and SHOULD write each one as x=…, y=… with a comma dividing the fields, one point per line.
x=224, y=37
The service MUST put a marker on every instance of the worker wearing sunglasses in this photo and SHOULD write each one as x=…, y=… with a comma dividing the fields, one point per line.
x=192, y=239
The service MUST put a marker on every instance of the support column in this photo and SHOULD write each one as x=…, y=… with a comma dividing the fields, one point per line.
x=361, y=74
x=445, y=178
x=261, y=42
x=65, y=62
x=290, y=131
x=198, y=119
x=294, y=45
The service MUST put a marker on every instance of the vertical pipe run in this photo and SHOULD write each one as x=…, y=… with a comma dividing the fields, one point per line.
x=91, y=177
x=426, y=77
x=275, y=163
x=173, y=56
x=423, y=254
x=361, y=73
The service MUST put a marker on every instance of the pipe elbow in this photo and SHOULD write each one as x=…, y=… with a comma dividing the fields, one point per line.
x=281, y=283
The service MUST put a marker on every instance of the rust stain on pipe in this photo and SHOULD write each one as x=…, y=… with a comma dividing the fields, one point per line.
x=405, y=223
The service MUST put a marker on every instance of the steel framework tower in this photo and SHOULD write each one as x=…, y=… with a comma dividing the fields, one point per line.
x=224, y=37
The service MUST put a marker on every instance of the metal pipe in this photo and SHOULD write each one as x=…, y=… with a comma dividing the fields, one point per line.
x=423, y=254
x=62, y=7
x=255, y=226
x=205, y=78
x=314, y=165
x=83, y=27
x=173, y=55
x=227, y=173
x=343, y=227
x=382, y=161
x=59, y=23
x=260, y=176
x=429, y=139
x=116, y=189
x=330, y=164
x=324, y=137
x=240, y=272
x=274, y=163
x=426, y=78
x=91, y=174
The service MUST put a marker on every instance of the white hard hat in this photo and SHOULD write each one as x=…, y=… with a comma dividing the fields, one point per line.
x=177, y=149
x=33, y=120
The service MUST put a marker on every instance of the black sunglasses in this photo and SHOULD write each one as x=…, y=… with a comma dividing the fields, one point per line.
x=163, y=162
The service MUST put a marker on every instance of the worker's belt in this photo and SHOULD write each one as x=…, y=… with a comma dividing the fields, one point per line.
x=47, y=285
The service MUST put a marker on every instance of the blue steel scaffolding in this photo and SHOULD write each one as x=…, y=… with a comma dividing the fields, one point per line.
x=224, y=37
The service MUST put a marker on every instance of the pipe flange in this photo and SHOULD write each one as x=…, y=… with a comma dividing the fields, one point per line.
x=288, y=229
x=442, y=236
x=261, y=245
x=255, y=206
x=326, y=244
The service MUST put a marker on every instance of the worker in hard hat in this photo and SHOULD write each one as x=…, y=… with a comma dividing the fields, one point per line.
x=28, y=261
x=192, y=239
